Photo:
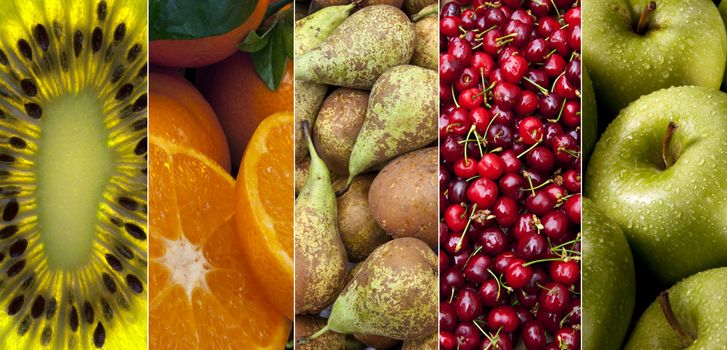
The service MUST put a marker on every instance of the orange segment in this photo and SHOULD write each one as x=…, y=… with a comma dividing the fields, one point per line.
x=202, y=292
x=264, y=213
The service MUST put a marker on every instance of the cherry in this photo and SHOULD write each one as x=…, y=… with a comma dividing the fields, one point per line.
x=555, y=225
x=531, y=246
x=528, y=103
x=482, y=63
x=491, y=166
x=574, y=41
x=461, y=49
x=470, y=98
x=559, y=41
x=482, y=192
x=451, y=279
x=458, y=122
x=467, y=304
x=549, y=320
x=525, y=224
x=536, y=80
x=572, y=180
x=469, y=78
x=455, y=216
x=527, y=300
x=555, y=191
x=567, y=339
x=550, y=106
x=497, y=342
x=495, y=17
x=531, y=130
x=510, y=185
x=523, y=16
x=546, y=26
x=443, y=178
x=536, y=50
x=450, y=148
x=503, y=316
x=465, y=167
x=564, y=88
x=503, y=260
x=554, y=65
x=506, y=95
x=514, y=68
x=512, y=162
x=573, y=72
x=493, y=241
x=571, y=116
x=517, y=275
x=499, y=135
x=516, y=32
x=573, y=16
x=457, y=192
x=565, y=271
x=461, y=256
x=505, y=211
x=572, y=208
x=447, y=341
x=554, y=297
x=573, y=313
x=490, y=42
x=491, y=293
x=447, y=317
x=450, y=9
x=468, y=336
x=469, y=19
x=443, y=258
x=539, y=203
x=533, y=335
x=480, y=117
x=475, y=269
x=449, y=26
x=540, y=7
x=449, y=68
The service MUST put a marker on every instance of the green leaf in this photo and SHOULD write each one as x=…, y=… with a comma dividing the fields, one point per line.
x=193, y=19
x=271, y=49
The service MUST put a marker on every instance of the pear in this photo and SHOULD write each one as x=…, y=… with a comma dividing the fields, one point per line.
x=337, y=125
x=359, y=231
x=301, y=173
x=365, y=45
x=307, y=325
x=414, y=6
x=320, y=258
x=401, y=117
x=377, y=342
x=394, y=294
x=310, y=32
x=429, y=343
x=426, y=26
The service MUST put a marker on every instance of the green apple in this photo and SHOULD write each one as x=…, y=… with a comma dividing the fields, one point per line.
x=589, y=115
x=609, y=285
x=667, y=188
x=681, y=42
x=697, y=309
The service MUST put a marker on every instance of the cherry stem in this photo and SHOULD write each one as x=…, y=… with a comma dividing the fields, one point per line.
x=665, y=144
x=643, y=23
x=578, y=238
x=464, y=232
x=543, y=90
x=486, y=30
x=480, y=328
x=541, y=260
x=556, y=8
x=530, y=181
x=453, y=96
x=320, y=332
x=528, y=150
x=536, y=187
x=477, y=250
x=684, y=338
x=451, y=297
x=560, y=113
x=552, y=88
x=479, y=143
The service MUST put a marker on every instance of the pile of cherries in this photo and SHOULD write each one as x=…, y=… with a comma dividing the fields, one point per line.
x=509, y=177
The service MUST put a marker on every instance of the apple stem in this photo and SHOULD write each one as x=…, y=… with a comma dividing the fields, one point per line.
x=643, y=24
x=665, y=144
x=684, y=338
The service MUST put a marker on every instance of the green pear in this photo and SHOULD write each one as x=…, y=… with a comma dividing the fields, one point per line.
x=426, y=26
x=589, y=116
x=365, y=45
x=307, y=325
x=691, y=315
x=308, y=99
x=412, y=7
x=310, y=32
x=394, y=294
x=359, y=231
x=657, y=171
x=320, y=258
x=429, y=343
x=609, y=285
x=401, y=117
x=337, y=125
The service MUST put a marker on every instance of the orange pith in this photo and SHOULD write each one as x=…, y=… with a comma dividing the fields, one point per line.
x=223, y=306
x=264, y=208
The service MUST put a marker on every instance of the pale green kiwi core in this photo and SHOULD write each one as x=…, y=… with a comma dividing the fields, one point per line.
x=75, y=164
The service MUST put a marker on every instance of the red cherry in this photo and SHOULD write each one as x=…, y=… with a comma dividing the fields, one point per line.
x=554, y=297
x=531, y=130
x=514, y=68
x=565, y=272
x=572, y=208
x=518, y=276
x=503, y=316
x=491, y=166
x=482, y=192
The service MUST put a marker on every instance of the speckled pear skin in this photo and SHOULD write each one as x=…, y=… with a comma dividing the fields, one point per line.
x=699, y=304
x=310, y=32
x=364, y=46
x=306, y=326
x=401, y=117
x=429, y=343
x=609, y=283
x=426, y=52
x=675, y=219
x=394, y=294
x=320, y=258
x=359, y=231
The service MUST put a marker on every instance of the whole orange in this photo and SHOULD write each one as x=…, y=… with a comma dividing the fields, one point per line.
x=179, y=113
x=241, y=99
x=205, y=51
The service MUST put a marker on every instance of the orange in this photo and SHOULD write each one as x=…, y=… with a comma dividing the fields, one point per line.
x=205, y=51
x=264, y=208
x=241, y=99
x=202, y=293
x=179, y=113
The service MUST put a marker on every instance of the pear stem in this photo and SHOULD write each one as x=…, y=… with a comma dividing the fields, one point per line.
x=665, y=144
x=684, y=338
x=320, y=332
x=643, y=23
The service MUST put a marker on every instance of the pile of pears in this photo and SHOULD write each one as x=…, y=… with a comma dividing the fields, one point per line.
x=366, y=107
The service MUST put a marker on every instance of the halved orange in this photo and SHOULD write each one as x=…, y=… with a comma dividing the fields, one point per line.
x=202, y=292
x=264, y=208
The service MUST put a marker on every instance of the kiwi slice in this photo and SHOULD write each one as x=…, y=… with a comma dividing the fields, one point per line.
x=73, y=193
